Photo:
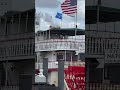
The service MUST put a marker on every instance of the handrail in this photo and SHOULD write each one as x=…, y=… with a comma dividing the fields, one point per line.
x=17, y=48
x=101, y=86
x=61, y=40
x=59, y=44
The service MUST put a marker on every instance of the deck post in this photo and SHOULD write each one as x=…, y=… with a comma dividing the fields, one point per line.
x=45, y=68
x=60, y=75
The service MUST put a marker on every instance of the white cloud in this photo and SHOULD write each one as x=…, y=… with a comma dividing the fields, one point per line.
x=43, y=25
x=47, y=3
x=80, y=16
x=72, y=25
x=81, y=9
x=67, y=22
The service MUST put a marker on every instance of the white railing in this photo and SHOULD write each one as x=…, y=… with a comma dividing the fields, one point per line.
x=50, y=65
x=9, y=87
x=16, y=48
x=105, y=3
x=59, y=44
x=16, y=87
x=102, y=87
x=54, y=64
x=16, y=36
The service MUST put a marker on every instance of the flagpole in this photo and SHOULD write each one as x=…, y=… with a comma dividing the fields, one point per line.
x=12, y=21
x=75, y=21
x=26, y=22
x=40, y=21
x=19, y=22
x=50, y=29
x=76, y=25
x=65, y=55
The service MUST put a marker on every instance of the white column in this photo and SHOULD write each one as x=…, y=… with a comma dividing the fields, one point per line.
x=87, y=75
x=89, y=47
x=95, y=45
x=92, y=45
x=5, y=25
x=52, y=55
x=71, y=59
x=26, y=22
x=65, y=55
x=86, y=44
x=38, y=58
x=99, y=46
x=19, y=23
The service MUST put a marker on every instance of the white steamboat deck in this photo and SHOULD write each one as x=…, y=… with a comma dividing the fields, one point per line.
x=60, y=44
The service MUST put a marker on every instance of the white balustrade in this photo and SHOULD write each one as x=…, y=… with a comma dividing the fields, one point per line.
x=96, y=86
x=59, y=44
x=50, y=65
x=99, y=45
x=54, y=64
x=15, y=48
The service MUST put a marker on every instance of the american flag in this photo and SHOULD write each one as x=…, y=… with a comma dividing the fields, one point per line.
x=69, y=7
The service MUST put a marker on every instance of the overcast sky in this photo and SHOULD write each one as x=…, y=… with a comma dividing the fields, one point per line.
x=51, y=7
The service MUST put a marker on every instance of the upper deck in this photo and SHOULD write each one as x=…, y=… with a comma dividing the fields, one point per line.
x=17, y=35
x=60, y=39
x=109, y=11
x=15, y=5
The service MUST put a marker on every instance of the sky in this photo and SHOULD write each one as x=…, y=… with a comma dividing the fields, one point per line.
x=51, y=7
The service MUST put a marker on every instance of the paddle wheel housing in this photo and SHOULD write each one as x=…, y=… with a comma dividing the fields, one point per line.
x=75, y=77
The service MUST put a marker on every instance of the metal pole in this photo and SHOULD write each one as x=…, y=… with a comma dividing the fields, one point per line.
x=65, y=55
x=6, y=32
x=98, y=13
x=40, y=21
x=12, y=21
x=87, y=75
x=45, y=68
x=71, y=58
x=49, y=32
x=37, y=60
x=60, y=74
x=76, y=26
x=26, y=22
x=19, y=23
x=46, y=35
x=43, y=35
x=74, y=21
x=104, y=70
x=6, y=66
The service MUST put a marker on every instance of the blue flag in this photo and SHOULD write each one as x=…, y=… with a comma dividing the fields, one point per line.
x=59, y=15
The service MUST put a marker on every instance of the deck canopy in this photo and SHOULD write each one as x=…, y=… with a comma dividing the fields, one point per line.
x=106, y=14
x=66, y=31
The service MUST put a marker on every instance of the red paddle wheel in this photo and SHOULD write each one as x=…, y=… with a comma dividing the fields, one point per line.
x=75, y=77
